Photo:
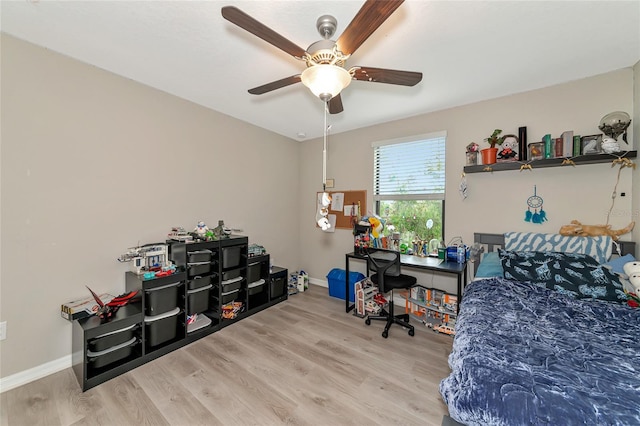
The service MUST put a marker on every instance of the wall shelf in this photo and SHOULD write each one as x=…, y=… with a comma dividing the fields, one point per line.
x=551, y=162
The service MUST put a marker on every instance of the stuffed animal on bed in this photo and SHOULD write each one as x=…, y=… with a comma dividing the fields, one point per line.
x=578, y=229
x=632, y=270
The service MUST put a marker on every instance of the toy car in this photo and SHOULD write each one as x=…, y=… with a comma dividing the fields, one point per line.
x=444, y=329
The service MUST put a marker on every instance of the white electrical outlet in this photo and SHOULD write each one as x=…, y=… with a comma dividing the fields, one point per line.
x=3, y=330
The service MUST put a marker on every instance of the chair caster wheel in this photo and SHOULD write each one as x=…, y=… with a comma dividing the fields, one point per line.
x=367, y=321
x=411, y=332
x=385, y=334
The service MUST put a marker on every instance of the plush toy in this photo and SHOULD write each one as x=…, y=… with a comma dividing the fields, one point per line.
x=201, y=229
x=376, y=226
x=578, y=229
x=509, y=147
x=632, y=270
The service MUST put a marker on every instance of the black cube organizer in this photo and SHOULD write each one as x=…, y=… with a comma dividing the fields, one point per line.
x=101, y=351
x=209, y=274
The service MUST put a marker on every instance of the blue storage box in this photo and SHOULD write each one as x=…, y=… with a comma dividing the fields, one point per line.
x=336, y=283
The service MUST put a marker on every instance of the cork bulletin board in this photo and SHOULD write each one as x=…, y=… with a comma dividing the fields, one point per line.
x=343, y=205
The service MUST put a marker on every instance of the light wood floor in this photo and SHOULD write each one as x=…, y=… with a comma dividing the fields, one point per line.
x=302, y=362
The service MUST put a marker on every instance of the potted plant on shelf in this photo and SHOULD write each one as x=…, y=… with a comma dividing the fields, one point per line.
x=489, y=154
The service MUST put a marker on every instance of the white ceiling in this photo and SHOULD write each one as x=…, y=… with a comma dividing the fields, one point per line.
x=467, y=51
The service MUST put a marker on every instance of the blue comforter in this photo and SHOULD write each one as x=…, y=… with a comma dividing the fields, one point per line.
x=525, y=355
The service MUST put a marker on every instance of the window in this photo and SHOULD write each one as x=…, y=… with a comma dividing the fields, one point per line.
x=409, y=187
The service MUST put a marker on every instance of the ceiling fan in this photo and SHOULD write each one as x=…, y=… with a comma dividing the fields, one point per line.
x=325, y=74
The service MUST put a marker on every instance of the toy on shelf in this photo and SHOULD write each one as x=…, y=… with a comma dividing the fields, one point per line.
x=368, y=300
x=106, y=310
x=149, y=260
x=178, y=233
x=221, y=231
x=232, y=310
x=203, y=233
x=433, y=307
x=256, y=250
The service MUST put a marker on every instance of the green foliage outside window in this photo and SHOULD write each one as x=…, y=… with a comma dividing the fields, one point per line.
x=409, y=217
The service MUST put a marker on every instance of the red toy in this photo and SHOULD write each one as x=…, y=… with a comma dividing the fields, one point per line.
x=107, y=310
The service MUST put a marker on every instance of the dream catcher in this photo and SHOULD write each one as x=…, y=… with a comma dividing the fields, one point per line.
x=534, y=212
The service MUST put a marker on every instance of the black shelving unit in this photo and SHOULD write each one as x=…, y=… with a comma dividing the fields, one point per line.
x=89, y=332
x=157, y=323
x=550, y=162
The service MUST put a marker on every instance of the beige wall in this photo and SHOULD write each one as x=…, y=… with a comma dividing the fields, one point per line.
x=92, y=164
x=497, y=201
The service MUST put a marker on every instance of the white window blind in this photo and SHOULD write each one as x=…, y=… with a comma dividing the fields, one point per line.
x=410, y=170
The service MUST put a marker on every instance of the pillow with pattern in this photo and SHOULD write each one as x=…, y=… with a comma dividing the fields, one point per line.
x=574, y=274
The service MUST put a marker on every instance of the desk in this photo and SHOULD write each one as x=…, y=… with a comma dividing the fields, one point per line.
x=416, y=262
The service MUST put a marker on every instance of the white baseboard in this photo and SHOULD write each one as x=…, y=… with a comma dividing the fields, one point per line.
x=319, y=282
x=35, y=373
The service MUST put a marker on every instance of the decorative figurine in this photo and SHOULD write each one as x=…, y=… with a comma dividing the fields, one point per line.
x=108, y=310
x=510, y=146
x=201, y=230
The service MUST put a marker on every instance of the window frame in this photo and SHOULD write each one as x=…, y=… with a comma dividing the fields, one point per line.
x=417, y=197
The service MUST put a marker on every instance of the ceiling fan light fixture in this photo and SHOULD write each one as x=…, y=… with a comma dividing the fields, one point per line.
x=325, y=81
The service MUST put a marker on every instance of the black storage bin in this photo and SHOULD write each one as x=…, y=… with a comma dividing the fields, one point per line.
x=198, y=282
x=231, y=285
x=229, y=297
x=253, y=271
x=199, y=256
x=109, y=340
x=256, y=287
x=231, y=257
x=198, y=300
x=161, y=328
x=278, y=286
x=202, y=268
x=230, y=275
x=108, y=356
x=161, y=299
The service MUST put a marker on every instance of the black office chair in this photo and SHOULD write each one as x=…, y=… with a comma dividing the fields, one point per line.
x=386, y=265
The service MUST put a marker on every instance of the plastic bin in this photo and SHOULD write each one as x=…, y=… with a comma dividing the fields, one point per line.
x=336, y=278
x=201, y=322
x=253, y=272
x=161, y=299
x=230, y=285
x=256, y=287
x=198, y=282
x=199, y=256
x=111, y=339
x=229, y=275
x=229, y=297
x=108, y=356
x=198, y=300
x=202, y=268
x=231, y=257
x=161, y=328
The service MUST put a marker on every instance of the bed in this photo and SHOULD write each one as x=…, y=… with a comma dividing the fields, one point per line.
x=546, y=352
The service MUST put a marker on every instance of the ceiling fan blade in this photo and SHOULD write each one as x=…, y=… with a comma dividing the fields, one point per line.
x=370, y=16
x=275, y=85
x=335, y=105
x=382, y=75
x=241, y=19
